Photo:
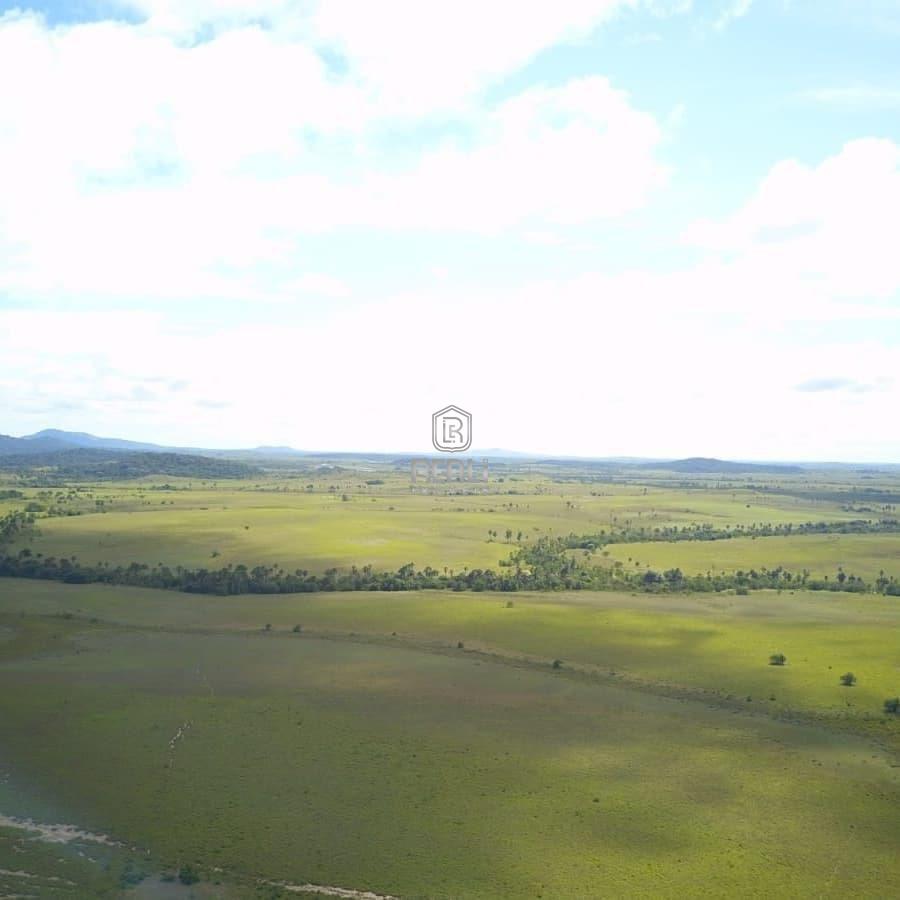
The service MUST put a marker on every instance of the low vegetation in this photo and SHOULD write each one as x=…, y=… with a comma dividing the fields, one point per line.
x=536, y=677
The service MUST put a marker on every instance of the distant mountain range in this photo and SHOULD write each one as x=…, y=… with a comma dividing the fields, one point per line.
x=13, y=446
x=701, y=465
x=82, y=439
x=64, y=454
x=55, y=441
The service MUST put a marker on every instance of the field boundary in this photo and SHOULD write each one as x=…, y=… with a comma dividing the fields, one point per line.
x=861, y=726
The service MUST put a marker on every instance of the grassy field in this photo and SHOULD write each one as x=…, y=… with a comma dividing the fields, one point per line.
x=343, y=521
x=348, y=756
x=821, y=554
x=423, y=744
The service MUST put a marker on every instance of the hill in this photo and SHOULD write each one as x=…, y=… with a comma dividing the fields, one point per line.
x=20, y=446
x=97, y=464
x=82, y=439
x=701, y=465
x=50, y=439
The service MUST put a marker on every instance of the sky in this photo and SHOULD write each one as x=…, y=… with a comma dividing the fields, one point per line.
x=604, y=227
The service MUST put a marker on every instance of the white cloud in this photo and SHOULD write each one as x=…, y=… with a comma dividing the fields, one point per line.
x=543, y=238
x=428, y=55
x=651, y=37
x=222, y=153
x=566, y=155
x=857, y=97
x=315, y=284
x=667, y=8
x=708, y=390
x=835, y=224
x=736, y=9
x=411, y=58
x=197, y=168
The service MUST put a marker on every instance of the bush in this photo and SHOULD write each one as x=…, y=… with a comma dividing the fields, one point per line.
x=460, y=645
x=187, y=875
x=557, y=663
x=297, y=629
x=777, y=659
x=131, y=876
x=848, y=679
x=892, y=705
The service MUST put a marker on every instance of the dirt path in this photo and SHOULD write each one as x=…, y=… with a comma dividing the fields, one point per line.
x=57, y=834
x=328, y=891
x=22, y=874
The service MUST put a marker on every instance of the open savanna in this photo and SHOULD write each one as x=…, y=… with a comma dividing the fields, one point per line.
x=346, y=755
x=717, y=645
x=319, y=521
x=821, y=554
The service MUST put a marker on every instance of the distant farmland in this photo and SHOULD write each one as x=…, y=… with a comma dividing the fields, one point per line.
x=452, y=744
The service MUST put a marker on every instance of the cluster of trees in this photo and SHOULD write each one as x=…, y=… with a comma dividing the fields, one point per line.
x=95, y=464
x=542, y=566
x=492, y=535
x=13, y=524
x=240, y=579
x=547, y=562
x=707, y=532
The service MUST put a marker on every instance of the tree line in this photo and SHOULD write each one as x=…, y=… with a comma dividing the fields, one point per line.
x=707, y=532
x=545, y=565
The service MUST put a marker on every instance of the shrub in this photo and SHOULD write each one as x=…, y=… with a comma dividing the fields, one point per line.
x=777, y=659
x=268, y=626
x=557, y=663
x=892, y=705
x=131, y=876
x=298, y=629
x=848, y=679
x=187, y=875
x=460, y=645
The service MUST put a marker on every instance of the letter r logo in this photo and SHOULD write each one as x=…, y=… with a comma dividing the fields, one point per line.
x=451, y=429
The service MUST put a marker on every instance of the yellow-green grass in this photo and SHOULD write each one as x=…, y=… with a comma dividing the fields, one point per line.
x=33, y=869
x=383, y=526
x=317, y=534
x=428, y=775
x=714, y=647
x=821, y=554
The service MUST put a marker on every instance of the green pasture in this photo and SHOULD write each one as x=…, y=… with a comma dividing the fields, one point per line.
x=402, y=770
x=821, y=554
x=714, y=647
x=422, y=744
x=343, y=521
x=314, y=533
